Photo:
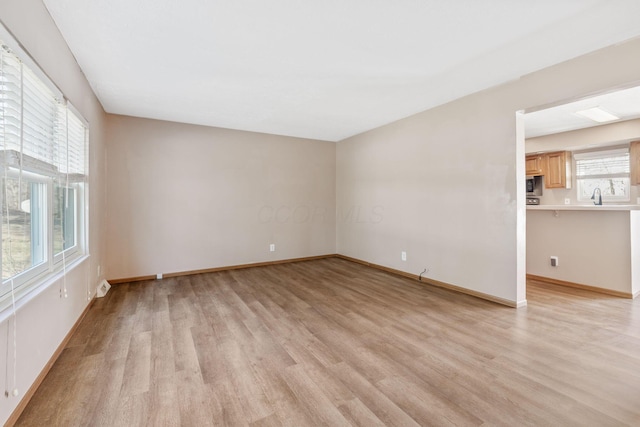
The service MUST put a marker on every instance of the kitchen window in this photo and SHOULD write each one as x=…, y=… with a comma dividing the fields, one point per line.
x=607, y=170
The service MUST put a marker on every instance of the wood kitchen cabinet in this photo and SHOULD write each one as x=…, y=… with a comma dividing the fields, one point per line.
x=634, y=158
x=557, y=170
x=534, y=164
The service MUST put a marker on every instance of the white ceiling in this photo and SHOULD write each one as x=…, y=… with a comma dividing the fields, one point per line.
x=624, y=104
x=325, y=69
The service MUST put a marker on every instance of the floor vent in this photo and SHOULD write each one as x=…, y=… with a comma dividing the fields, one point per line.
x=103, y=289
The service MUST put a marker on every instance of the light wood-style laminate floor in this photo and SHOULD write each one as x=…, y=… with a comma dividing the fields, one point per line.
x=334, y=343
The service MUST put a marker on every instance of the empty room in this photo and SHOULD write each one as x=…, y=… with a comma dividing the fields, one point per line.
x=320, y=213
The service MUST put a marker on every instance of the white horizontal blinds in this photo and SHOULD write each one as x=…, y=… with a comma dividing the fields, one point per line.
x=70, y=149
x=40, y=132
x=40, y=108
x=60, y=146
x=29, y=116
x=10, y=100
x=599, y=164
x=76, y=138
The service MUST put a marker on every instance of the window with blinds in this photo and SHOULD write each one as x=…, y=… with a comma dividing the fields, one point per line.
x=607, y=171
x=43, y=174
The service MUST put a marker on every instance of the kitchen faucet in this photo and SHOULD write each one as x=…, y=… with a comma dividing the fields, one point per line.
x=593, y=197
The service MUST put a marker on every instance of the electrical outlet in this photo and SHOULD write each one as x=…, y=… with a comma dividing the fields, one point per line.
x=159, y=276
x=403, y=255
x=272, y=247
x=567, y=201
x=554, y=261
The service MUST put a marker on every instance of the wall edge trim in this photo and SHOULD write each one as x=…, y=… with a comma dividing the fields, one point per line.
x=549, y=280
x=433, y=282
x=222, y=268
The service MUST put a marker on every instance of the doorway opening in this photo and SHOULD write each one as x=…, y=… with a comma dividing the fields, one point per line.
x=584, y=151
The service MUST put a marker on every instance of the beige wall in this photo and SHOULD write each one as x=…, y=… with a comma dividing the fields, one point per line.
x=185, y=197
x=45, y=319
x=593, y=247
x=634, y=231
x=444, y=189
x=582, y=139
x=444, y=185
x=449, y=181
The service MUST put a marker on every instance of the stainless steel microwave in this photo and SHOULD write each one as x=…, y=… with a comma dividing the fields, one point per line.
x=534, y=186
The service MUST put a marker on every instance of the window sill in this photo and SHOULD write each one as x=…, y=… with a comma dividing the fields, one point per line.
x=25, y=296
x=591, y=207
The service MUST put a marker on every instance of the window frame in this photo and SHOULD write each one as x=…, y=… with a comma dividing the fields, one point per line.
x=35, y=271
x=71, y=169
x=68, y=254
x=602, y=154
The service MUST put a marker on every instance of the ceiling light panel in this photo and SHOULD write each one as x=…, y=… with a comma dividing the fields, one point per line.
x=597, y=114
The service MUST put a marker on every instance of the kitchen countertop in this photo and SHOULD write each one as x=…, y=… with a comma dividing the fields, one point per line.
x=583, y=207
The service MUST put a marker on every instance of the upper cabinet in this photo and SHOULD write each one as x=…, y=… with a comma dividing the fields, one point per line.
x=534, y=164
x=557, y=170
x=634, y=158
x=555, y=166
